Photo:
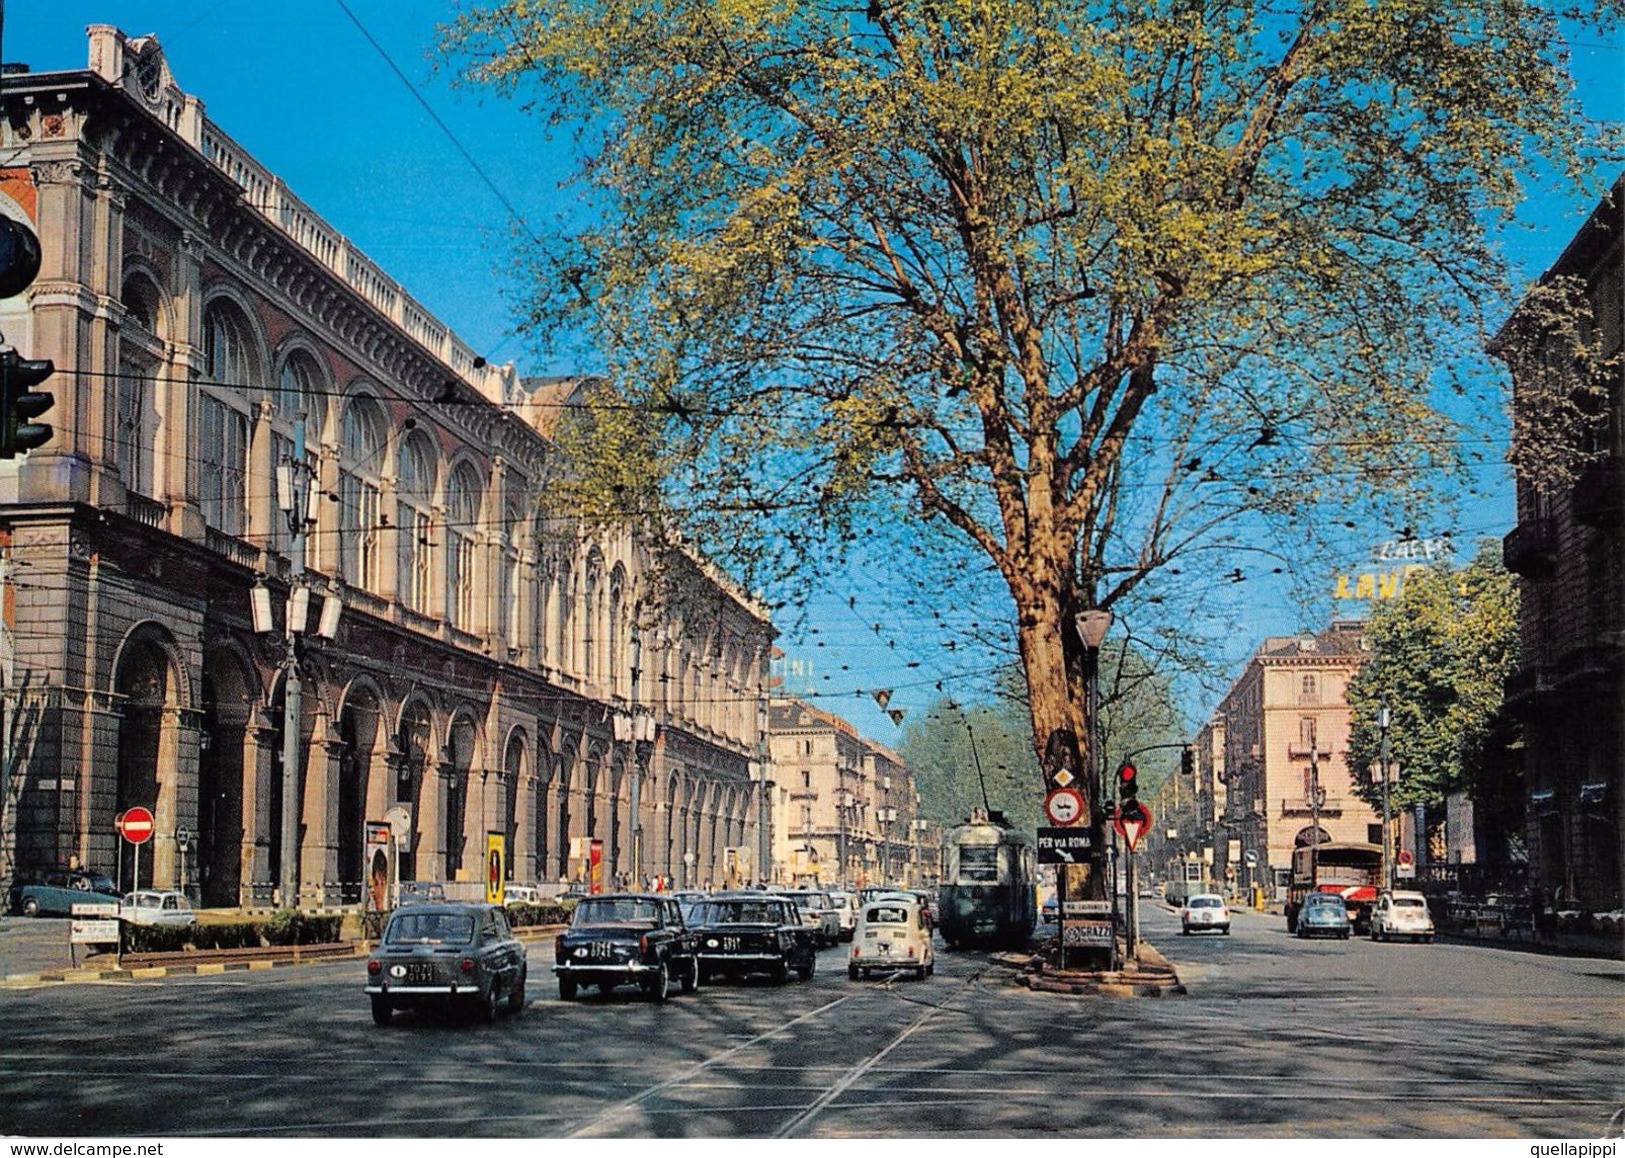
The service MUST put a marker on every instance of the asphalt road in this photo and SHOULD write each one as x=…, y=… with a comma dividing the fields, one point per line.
x=1278, y=1037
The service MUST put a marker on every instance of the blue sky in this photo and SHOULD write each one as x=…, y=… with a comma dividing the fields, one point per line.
x=301, y=88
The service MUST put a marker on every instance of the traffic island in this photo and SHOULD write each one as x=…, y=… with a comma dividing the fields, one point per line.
x=1148, y=976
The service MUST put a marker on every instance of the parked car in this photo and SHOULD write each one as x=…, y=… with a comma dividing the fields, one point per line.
x=1401, y=914
x=421, y=893
x=893, y=935
x=446, y=956
x=1324, y=915
x=54, y=892
x=743, y=933
x=626, y=939
x=1206, y=913
x=157, y=907
x=521, y=895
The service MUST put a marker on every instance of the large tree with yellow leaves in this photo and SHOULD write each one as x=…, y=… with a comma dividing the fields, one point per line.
x=1083, y=286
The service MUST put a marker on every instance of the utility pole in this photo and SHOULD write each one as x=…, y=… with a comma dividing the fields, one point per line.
x=1314, y=809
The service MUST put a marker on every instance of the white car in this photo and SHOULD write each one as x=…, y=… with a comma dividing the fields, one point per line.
x=893, y=935
x=1401, y=915
x=521, y=895
x=846, y=910
x=157, y=907
x=1205, y=913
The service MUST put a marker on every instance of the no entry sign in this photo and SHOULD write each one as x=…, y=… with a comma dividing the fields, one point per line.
x=135, y=825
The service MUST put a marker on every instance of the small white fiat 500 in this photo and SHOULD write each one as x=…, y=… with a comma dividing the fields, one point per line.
x=892, y=935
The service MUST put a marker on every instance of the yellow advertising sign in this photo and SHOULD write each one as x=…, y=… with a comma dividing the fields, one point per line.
x=496, y=866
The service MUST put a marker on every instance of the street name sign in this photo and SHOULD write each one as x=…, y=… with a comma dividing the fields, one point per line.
x=1063, y=805
x=135, y=825
x=1086, y=908
x=1066, y=845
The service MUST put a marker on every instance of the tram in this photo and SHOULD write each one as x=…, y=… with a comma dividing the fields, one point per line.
x=988, y=897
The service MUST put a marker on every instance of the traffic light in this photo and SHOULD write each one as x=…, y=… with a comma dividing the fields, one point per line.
x=20, y=403
x=1187, y=761
x=1128, y=792
x=19, y=257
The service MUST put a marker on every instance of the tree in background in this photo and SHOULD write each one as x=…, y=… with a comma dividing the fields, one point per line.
x=1137, y=712
x=1094, y=288
x=1440, y=655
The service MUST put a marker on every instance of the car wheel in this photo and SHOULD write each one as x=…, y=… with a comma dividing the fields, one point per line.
x=1345, y=934
x=691, y=977
x=382, y=1011
x=1225, y=930
x=567, y=988
x=779, y=972
x=658, y=987
x=851, y=972
x=805, y=972
x=30, y=907
x=516, y=995
x=702, y=974
x=489, y=1002
x=1184, y=930
x=931, y=968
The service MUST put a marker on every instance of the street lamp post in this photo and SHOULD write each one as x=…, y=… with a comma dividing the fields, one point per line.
x=1317, y=797
x=885, y=816
x=638, y=728
x=1387, y=817
x=297, y=500
x=841, y=798
x=764, y=850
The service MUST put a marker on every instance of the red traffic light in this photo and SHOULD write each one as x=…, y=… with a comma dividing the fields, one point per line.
x=1126, y=774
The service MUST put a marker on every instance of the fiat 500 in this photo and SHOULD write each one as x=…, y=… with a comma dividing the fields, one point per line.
x=447, y=956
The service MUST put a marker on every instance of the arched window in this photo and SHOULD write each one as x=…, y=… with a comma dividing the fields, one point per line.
x=462, y=537
x=296, y=396
x=414, y=504
x=592, y=614
x=619, y=674
x=134, y=413
x=361, y=449
x=510, y=609
x=231, y=378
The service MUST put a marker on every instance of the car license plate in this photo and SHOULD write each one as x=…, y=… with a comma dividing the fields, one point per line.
x=419, y=973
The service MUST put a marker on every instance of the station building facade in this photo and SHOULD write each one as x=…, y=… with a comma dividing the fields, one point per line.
x=210, y=332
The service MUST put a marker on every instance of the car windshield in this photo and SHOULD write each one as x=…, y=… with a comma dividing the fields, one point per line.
x=430, y=929
x=738, y=913
x=1330, y=900
x=617, y=911
x=1409, y=903
x=1206, y=903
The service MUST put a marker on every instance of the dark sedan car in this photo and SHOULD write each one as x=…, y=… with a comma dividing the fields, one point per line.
x=743, y=933
x=447, y=956
x=626, y=939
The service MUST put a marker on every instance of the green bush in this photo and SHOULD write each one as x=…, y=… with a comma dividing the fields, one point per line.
x=155, y=938
x=526, y=915
x=291, y=927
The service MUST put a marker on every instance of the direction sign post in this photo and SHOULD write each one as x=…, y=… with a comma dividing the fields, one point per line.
x=1067, y=845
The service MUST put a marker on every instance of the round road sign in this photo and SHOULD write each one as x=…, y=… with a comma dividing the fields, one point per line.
x=135, y=825
x=1063, y=806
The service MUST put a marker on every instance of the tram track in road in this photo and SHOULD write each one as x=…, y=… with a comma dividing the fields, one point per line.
x=692, y=1078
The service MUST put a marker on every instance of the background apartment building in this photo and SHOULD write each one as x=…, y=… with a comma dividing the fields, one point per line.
x=1285, y=732
x=846, y=810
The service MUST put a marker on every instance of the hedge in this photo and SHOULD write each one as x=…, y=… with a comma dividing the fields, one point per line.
x=285, y=927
